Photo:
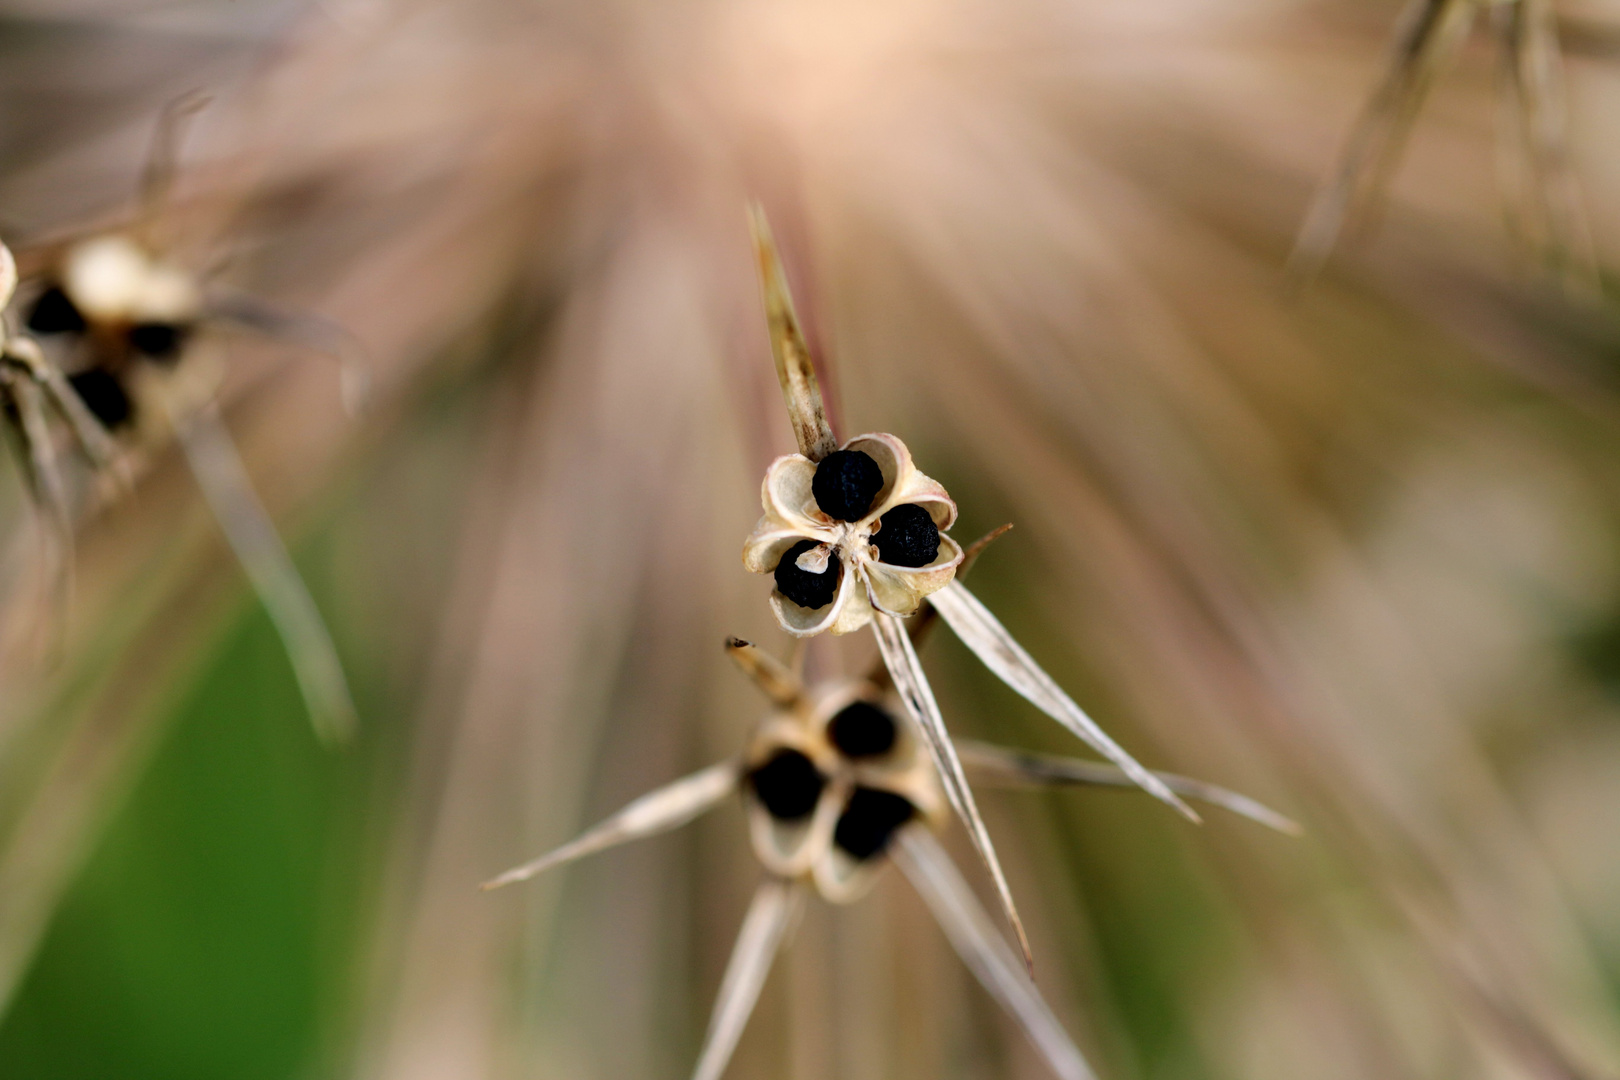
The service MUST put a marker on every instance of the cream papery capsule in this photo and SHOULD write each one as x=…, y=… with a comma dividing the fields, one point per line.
x=128, y=356
x=875, y=526
x=835, y=787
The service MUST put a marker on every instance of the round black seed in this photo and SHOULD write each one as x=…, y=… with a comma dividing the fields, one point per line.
x=870, y=820
x=862, y=730
x=845, y=484
x=157, y=341
x=789, y=785
x=54, y=313
x=801, y=586
x=104, y=396
x=907, y=536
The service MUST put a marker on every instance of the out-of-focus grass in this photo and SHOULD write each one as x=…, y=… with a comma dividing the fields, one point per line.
x=213, y=932
x=1351, y=552
x=222, y=925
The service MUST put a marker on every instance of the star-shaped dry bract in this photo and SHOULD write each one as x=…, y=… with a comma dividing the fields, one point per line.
x=854, y=535
x=833, y=785
x=1538, y=181
x=120, y=325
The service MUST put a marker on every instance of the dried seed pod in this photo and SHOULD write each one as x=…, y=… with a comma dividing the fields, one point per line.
x=894, y=555
x=122, y=321
x=834, y=782
x=794, y=522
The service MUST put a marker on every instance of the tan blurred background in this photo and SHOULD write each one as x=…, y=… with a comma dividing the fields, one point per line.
x=1355, y=552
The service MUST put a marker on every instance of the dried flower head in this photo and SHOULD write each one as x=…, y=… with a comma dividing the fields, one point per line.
x=834, y=785
x=860, y=530
x=862, y=543
x=117, y=325
x=1538, y=182
x=31, y=391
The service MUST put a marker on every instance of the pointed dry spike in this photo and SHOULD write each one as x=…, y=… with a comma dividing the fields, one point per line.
x=49, y=496
x=1514, y=160
x=972, y=935
x=44, y=477
x=912, y=686
x=8, y=277
x=971, y=553
x=1429, y=32
x=307, y=332
x=996, y=763
x=1533, y=82
x=794, y=368
x=921, y=623
x=670, y=807
x=92, y=438
x=773, y=677
x=224, y=483
x=157, y=178
x=775, y=907
x=989, y=640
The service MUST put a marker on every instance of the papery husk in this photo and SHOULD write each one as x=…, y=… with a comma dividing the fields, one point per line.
x=903, y=482
x=794, y=368
x=973, y=935
x=911, y=686
x=900, y=590
x=656, y=812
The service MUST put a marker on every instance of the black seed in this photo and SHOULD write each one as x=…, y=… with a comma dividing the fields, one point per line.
x=801, y=586
x=157, y=341
x=845, y=484
x=54, y=313
x=104, y=396
x=869, y=821
x=862, y=730
x=789, y=785
x=907, y=536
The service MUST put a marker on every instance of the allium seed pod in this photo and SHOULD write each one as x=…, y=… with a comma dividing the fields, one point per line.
x=121, y=346
x=864, y=544
x=837, y=836
x=835, y=784
x=853, y=551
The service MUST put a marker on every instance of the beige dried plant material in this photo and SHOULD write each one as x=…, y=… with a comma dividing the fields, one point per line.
x=1541, y=195
x=918, y=697
x=867, y=584
x=769, y=921
x=983, y=633
x=224, y=482
x=33, y=392
x=794, y=366
x=832, y=574
x=985, y=763
x=973, y=936
x=834, y=781
x=126, y=351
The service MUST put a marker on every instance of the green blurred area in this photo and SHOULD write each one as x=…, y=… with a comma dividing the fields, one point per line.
x=219, y=928
x=213, y=932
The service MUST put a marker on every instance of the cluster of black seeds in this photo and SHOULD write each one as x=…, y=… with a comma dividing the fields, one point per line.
x=789, y=785
x=158, y=341
x=862, y=730
x=907, y=536
x=104, y=396
x=801, y=586
x=869, y=822
x=845, y=484
x=54, y=313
